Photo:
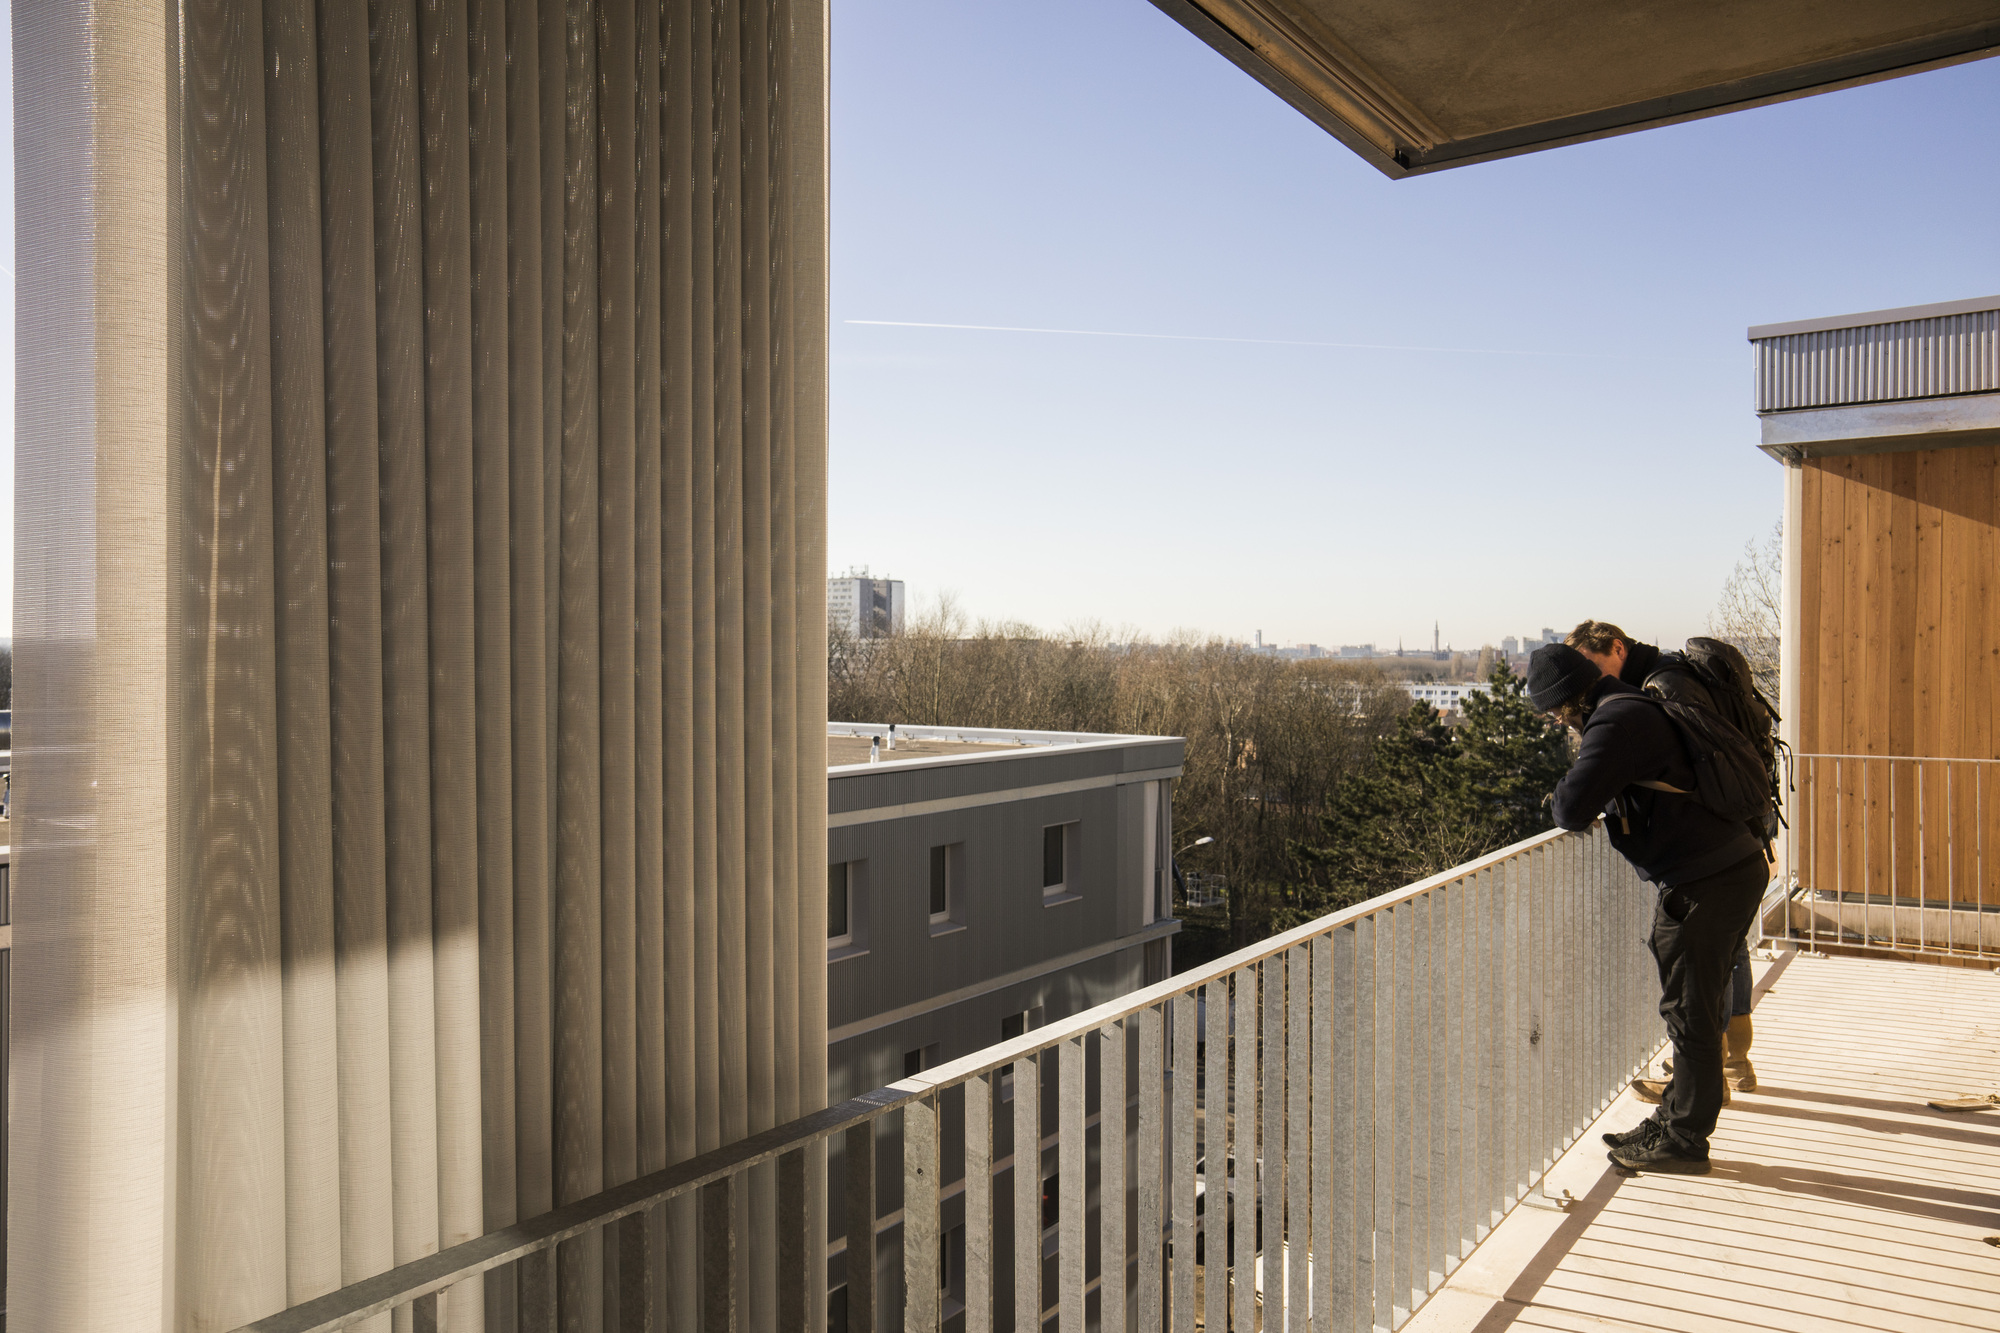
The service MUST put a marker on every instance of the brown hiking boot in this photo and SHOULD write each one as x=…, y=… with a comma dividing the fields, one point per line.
x=1652, y=1090
x=1736, y=1067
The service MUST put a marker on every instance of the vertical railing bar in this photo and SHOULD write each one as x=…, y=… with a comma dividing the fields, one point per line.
x=1515, y=1099
x=1242, y=1192
x=1152, y=1134
x=860, y=1166
x=1321, y=1024
x=1867, y=848
x=923, y=1299
x=1895, y=884
x=1979, y=847
x=1072, y=1170
x=1492, y=1076
x=1028, y=1303
x=1458, y=1207
x=424, y=1313
x=1349, y=1148
x=719, y=1208
x=1298, y=1135
x=1437, y=1032
x=1412, y=1147
x=1923, y=869
x=1180, y=1177
x=1215, y=1156
x=796, y=1271
x=1271, y=1164
x=980, y=1251
x=1950, y=852
x=635, y=1270
x=1839, y=852
x=1387, y=925
x=538, y=1291
x=1112, y=1140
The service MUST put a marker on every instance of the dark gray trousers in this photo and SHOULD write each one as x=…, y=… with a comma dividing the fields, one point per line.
x=1697, y=927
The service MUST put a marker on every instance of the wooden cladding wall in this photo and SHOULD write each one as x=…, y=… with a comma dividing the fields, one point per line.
x=1899, y=631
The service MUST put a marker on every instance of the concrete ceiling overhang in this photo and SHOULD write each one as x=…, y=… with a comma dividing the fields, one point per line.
x=1416, y=87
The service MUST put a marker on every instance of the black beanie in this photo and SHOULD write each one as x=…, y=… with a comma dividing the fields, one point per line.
x=1558, y=673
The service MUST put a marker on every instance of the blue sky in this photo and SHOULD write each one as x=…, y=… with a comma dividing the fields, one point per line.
x=1086, y=164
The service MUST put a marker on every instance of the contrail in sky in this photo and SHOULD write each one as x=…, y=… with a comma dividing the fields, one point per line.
x=1273, y=342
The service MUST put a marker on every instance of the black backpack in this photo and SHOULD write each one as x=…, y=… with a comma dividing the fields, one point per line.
x=1722, y=667
x=1729, y=776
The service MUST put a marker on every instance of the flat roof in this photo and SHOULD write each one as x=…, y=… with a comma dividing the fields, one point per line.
x=1867, y=318
x=851, y=743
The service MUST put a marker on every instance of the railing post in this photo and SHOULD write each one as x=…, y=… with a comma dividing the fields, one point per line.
x=1027, y=1194
x=1325, y=1262
x=979, y=1249
x=1111, y=1141
x=1271, y=1102
x=1242, y=1199
x=538, y=1291
x=1180, y=1171
x=719, y=1208
x=1152, y=1137
x=923, y=1295
x=1298, y=1133
x=795, y=1268
x=1215, y=1155
x=1413, y=1075
x=424, y=1314
x=860, y=1165
x=1072, y=1180
x=635, y=1272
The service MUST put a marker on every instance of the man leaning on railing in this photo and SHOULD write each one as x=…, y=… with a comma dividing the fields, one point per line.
x=1634, y=770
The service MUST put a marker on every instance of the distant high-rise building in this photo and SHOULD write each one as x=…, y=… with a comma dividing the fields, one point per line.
x=1510, y=646
x=866, y=607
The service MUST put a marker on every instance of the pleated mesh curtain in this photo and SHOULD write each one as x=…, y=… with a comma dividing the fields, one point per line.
x=493, y=450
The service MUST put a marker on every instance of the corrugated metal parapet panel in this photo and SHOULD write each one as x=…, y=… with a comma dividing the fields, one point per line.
x=1937, y=356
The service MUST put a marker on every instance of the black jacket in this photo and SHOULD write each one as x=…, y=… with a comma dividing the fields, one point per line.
x=1669, y=838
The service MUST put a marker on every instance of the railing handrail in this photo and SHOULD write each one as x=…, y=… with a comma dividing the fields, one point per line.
x=1897, y=758
x=448, y=1267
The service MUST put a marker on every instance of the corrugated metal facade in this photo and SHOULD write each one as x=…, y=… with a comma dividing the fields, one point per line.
x=1879, y=363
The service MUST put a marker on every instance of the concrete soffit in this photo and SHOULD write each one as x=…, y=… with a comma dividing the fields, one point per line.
x=1419, y=116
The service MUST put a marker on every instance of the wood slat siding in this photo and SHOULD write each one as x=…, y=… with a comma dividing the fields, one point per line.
x=1900, y=630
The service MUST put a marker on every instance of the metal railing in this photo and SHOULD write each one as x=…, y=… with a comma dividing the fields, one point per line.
x=1894, y=854
x=1320, y=1127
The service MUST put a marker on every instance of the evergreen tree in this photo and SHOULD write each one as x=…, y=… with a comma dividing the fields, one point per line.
x=1432, y=798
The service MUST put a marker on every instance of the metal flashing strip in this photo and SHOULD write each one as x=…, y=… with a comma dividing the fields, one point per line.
x=1863, y=319
x=1859, y=428
x=1000, y=752
x=972, y=800
x=1145, y=935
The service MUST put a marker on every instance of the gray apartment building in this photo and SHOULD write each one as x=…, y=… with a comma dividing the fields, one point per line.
x=981, y=883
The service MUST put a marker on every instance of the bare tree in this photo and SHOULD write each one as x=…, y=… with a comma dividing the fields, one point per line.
x=1750, y=613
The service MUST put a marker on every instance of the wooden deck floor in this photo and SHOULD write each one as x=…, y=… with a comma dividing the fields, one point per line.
x=1839, y=1201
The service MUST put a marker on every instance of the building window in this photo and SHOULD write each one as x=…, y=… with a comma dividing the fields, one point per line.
x=917, y=1061
x=1058, y=850
x=941, y=885
x=846, y=909
x=839, y=924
